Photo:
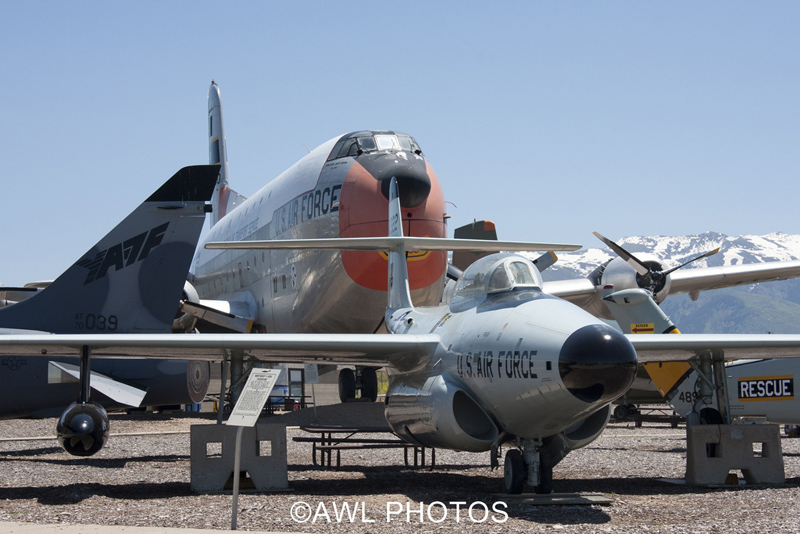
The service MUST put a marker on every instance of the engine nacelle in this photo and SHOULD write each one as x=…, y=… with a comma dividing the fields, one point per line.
x=439, y=413
x=82, y=429
x=621, y=275
x=555, y=448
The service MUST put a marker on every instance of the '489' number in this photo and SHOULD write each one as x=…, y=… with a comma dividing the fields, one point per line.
x=91, y=321
x=687, y=396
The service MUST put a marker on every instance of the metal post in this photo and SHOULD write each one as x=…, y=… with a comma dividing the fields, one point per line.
x=314, y=400
x=237, y=375
x=722, y=390
x=237, y=462
x=222, y=390
x=85, y=375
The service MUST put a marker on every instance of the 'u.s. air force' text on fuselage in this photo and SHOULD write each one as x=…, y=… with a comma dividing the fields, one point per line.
x=311, y=205
x=508, y=364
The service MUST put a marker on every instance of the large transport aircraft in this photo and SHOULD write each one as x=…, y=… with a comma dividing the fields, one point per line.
x=338, y=190
x=130, y=281
x=501, y=364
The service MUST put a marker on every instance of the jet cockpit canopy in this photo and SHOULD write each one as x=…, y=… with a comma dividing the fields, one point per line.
x=496, y=273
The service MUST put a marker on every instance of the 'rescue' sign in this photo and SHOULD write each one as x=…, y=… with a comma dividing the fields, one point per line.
x=766, y=388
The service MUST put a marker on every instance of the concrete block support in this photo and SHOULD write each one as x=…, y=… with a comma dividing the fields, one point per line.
x=713, y=451
x=263, y=456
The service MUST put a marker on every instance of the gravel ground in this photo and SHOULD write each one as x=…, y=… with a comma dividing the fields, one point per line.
x=143, y=480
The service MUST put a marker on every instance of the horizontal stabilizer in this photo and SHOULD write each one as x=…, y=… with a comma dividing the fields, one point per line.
x=113, y=389
x=229, y=320
x=391, y=243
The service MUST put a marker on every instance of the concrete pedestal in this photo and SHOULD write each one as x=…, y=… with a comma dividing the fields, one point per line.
x=713, y=451
x=263, y=456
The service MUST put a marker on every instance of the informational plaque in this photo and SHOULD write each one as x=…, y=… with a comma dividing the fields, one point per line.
x=312, y=374
x=254, y=396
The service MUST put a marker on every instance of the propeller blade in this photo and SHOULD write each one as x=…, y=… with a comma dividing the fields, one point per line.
x=632, y=260
x=707, y=254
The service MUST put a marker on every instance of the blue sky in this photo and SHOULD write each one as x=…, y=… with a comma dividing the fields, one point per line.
x=552, y=119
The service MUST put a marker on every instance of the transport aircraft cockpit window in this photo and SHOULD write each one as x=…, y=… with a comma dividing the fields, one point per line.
x=387, y=142
x=359, y=143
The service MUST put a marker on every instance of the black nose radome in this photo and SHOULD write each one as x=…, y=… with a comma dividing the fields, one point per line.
x=410, y=170
x=597, y=364
x=413, y=188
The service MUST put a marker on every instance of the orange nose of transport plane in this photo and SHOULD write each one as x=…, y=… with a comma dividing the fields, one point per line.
x=363, y=208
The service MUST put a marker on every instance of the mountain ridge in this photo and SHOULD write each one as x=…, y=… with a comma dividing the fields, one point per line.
x=757, y=308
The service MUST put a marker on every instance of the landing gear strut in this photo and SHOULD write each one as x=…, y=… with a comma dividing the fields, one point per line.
x=528, y=465
x=364, y=378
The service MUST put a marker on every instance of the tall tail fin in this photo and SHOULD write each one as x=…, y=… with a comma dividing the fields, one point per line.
x=399, y=289
x=131, y=280
x=224, y=199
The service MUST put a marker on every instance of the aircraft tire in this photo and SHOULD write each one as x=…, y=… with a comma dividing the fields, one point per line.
x=621, y=412
x=369, y=384
x=347, y=384
x=514, y=472
x=710, y=416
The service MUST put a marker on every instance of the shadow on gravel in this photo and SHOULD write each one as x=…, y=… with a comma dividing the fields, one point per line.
x=75, y=493
x=104, y=463
x=650, y=486
x=641, y=449
x=31, y=452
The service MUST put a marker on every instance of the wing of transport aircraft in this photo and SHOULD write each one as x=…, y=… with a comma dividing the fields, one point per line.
x=646, y=271
x=502, y=363
x=130, y=281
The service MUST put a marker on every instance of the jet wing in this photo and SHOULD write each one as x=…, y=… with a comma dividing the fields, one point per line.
x=694, y=280
x=684, y=347
x=402, y=352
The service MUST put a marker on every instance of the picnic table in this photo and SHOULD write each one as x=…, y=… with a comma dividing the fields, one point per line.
x=336, y=438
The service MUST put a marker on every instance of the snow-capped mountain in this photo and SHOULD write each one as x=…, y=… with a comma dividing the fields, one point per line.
x=768, y=307
x=675, y=250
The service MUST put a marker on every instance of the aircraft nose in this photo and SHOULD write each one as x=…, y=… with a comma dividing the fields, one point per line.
x=413, y=184
x=410, y=170
x=597, y=364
